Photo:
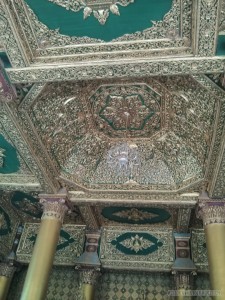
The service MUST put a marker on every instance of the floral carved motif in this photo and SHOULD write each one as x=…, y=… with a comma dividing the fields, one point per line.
x=134, y=214
x=136, y=243
x=132, y=108
x=100, y=8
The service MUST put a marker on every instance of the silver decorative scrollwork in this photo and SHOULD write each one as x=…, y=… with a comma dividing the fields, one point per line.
x=100, y=8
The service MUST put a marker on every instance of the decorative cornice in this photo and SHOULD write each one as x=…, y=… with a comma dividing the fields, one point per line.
x=142, y=199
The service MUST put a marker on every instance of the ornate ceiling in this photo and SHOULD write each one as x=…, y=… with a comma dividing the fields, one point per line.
x=78, y=122
x=66, y=85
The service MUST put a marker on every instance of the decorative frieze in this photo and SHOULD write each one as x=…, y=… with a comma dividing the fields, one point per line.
x=120, y=69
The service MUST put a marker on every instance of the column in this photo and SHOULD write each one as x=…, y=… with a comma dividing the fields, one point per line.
x=213, y=215
x=89, y=279
x=36, y=282
x=6, y=274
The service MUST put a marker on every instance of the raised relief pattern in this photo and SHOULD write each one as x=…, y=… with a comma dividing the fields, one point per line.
x=100, y=8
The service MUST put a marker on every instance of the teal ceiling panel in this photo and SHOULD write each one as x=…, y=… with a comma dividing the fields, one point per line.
x=135, y=17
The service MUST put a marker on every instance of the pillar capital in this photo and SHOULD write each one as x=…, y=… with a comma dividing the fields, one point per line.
x=212, y=211
x=183, y=280
x=89, y=276
x=54, y=206
x=7, y=269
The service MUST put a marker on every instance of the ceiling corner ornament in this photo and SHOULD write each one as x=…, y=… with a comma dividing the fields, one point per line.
x=99, y=8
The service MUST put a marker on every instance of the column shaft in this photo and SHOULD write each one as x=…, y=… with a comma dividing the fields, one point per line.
x=215, y=242
x=36, y=282
x=88, y=291
x=4, y=286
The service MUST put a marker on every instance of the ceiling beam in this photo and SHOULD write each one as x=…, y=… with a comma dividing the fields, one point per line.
x=118, y=69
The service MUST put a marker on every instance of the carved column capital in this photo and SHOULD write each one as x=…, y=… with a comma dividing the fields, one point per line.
x=212, y=212
x=183, y=280
x=54, y=206
x=89, y=276
x=7, y=270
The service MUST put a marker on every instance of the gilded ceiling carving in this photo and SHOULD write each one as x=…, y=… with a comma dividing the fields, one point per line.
x=111, y=103
x=172, y=35
x=171, y=129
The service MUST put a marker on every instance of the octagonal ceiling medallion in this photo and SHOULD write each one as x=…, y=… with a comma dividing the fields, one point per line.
x=142, y=106
x=100, y=8
x=79, y=122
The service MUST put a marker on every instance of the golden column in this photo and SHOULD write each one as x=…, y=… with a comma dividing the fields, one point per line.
x=36, y=282
x=6, y=274
x=213, y=215
x=89, y=279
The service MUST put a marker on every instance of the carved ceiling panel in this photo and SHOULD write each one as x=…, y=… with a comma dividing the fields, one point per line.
x=171, y=122
x=43, y=41
x=142, y=106
x=151, y=216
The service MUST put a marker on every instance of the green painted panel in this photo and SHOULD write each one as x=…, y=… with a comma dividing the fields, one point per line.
x=67, y=240
x=5, y=60
x=131, y=243
x=135, y=17
x=220, y=45
x=11, y=162
x=135, y=215
x=27, y=204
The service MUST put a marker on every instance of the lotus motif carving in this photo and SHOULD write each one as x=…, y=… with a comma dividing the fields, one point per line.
x=100, y=8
